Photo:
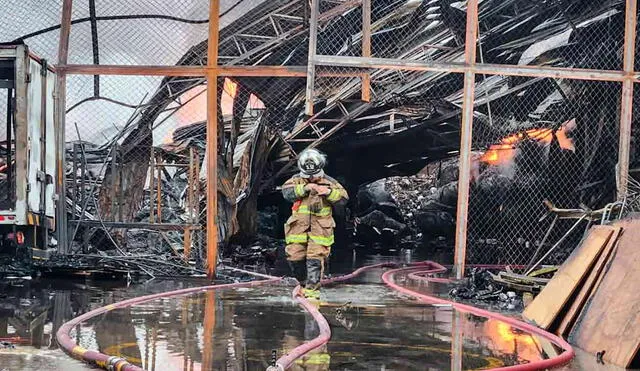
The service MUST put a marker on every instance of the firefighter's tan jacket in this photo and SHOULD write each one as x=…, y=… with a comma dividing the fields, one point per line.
x=311, y=224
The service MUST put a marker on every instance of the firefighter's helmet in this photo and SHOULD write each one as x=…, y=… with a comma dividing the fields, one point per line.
x=311, y=163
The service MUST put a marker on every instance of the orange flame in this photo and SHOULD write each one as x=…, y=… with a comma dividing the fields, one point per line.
x=506, y=340
x=499, y=154
x=231, y=88
x=169, y=137
x=504, y=152
x=196, y=108
x=229, y=92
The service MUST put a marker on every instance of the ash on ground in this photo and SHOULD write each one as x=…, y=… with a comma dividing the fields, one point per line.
x=479, y=286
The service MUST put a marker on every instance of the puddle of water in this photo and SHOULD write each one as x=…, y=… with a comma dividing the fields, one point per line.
x=373, y=328
x=31, y=311
x=38, y=360
x=241, y=329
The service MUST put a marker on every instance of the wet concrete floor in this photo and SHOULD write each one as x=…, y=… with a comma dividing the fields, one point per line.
x=373, y=328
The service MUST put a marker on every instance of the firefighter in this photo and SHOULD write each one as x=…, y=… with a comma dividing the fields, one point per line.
x=309, y=230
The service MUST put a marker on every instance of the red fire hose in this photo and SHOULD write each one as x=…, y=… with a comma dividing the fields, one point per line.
x=324, y=335
x=117, y=363
x=426, y=275
x=435, y=268
x=559, y=360
x=121, y=364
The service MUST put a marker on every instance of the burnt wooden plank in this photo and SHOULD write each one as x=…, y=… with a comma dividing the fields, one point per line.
x=544, y=309
x=611, y=319
x=519, y=278
x=587, y=288
x=517, y=286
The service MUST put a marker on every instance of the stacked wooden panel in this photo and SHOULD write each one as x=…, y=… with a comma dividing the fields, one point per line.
x=594, y=298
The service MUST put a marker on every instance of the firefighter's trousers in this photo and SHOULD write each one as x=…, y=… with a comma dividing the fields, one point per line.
x=309, y=237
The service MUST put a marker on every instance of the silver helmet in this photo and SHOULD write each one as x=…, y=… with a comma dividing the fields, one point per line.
x=311, y=162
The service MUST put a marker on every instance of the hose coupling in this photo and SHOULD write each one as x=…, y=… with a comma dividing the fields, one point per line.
x=113, y=362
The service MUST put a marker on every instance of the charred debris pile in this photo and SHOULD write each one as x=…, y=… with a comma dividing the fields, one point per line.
x=534, y=138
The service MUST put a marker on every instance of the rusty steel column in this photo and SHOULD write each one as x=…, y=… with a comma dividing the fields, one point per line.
x=196, y=200
x=152, y=180
x=626, y=103
x=159, y=191
x=465, y=140
x=59, y=114
x=366, y=47
x=311, y=66
x=191, y=178
x=212, y=139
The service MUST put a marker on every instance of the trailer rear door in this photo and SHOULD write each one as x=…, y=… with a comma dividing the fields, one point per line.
x=41, y=140
x=34, y=132
x=50, y=151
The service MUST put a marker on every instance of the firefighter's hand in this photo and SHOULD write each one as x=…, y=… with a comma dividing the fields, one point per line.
x=310, y=187
x=322, y=190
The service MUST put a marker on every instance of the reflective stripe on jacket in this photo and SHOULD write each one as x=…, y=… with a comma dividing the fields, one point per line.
x=312, y=215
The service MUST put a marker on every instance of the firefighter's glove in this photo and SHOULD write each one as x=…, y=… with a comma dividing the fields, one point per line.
x=315, y=203
x=323, y=191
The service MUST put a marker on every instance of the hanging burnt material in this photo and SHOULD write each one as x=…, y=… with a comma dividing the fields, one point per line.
x=227, y=221
x=247, y=182
x=134, y=156
x=135, y=149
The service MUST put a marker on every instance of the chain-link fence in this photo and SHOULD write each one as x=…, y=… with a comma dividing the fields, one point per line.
x=541, y=144
x=387, y=98
x=578, y=34
x=546, y=142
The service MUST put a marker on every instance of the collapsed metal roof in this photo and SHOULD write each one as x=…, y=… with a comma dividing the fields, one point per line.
x=412, y=118
x=156, y=33
x=580, y=34
x=174, y=32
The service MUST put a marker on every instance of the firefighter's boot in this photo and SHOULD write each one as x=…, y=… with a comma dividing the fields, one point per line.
x=315, y=269
x=299, y=271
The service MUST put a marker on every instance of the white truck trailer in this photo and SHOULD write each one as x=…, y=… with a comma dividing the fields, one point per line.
x=28, y=154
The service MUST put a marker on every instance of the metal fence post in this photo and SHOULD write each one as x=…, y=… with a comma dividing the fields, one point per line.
x=311, y=66
x=465, y=140
x=626, y=103
x=60, y=113
x=212, y=139
x=366, y=47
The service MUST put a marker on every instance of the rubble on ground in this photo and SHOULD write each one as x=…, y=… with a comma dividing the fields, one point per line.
x=14, y=267
x=153, y=265
x=480, y=286
x=7, y=345
x=261, y=254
